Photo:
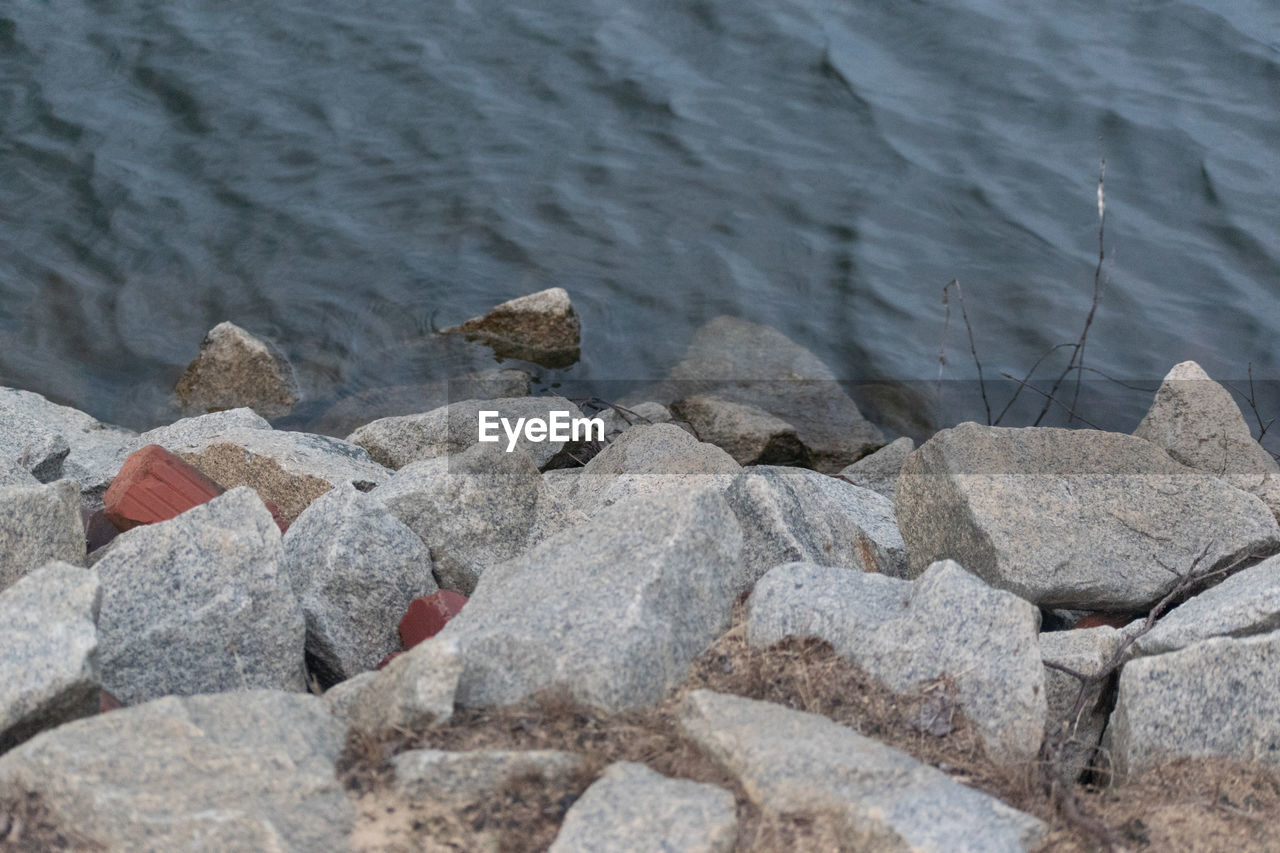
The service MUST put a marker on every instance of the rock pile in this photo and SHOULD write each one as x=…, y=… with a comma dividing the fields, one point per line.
x=934, y=570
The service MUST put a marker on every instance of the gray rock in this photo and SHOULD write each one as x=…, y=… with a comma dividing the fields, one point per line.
x=647, y=460
x=238, y=771
x=290, y=468
x=759, y=366
x=541, y=327
x=640, y=414
x=1219, y=697
x=1196, y=420
x=11, y=474
x=49, y=670
x=458, y=778
x=344, y=698
x=96, y=449
x=412, y=692
x=1087, y=652
x=1244, y=604
x=879, y=471
x=195, y=432
x=396, y=442
x=791, y=761
x=1071, y=518
x=474, y=510
x=354, y=568
x=794, y=514
x=37, y=524
x=351, y=412
x=200, y=604
x=911, y=634
x=32, y=446
x=748, y=433
x=612, y=611
x=632, y=808
x=234, y=369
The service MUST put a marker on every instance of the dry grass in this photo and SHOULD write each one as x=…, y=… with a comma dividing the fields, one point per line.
x=1191, y=805
x=26, y=826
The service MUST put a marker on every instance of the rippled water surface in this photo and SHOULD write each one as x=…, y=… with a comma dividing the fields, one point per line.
x=342, y=176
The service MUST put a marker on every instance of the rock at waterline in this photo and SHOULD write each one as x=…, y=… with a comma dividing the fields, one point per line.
x=541, y=327
x=234, y=369
x=1074, y=519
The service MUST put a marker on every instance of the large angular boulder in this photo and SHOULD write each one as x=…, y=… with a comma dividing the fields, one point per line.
x=1074, y=519
x=11, y=474
x=413, y=691
x=1199, y=424
x=1217, y=698
x=234, y=369
x=399, y=441
x=759, y=366
x=790, y=761
x=49, y=669
x=1244, y=604
x=354, y=568
x=196, y=431
x=794, y=514
x=291, y=469
x=649, y=459
x=474, y=510
x=910, y=634
x=95, y=448
x=748, y=433
x=541, y=327
x=630, y=807
x=237, y=771
x=200, y=604
x=613, y=611
x=351, y=412
x=37, y=524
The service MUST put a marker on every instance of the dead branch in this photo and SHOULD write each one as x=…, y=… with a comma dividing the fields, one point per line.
x=973, y=347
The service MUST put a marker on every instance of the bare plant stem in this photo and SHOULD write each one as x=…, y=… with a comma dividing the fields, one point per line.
x=973, y=347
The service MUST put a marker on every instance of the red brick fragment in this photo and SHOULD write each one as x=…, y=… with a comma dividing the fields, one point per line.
x=108, y=702
x=275, y=516
x=154, y=485
x=427, y=614
x=388, y=659
x=1113, y=620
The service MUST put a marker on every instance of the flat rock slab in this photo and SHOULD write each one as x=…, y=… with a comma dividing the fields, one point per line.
x=49, y=669
x=1217, y=698
x=235, y=368
x=200, y=604
x=759, y=366
x=440, y=776
x=911, y=634
x=474, y=510
x=647, y=460
x=613, y=611
x=355, y=568
x=399, y=441
x=237, y=771
x=631, y=808
x=196, y=431
x=791, y=761
x=351, y=412
x=1076, y=519
x=1244, y=604
x=1199, y=424
x=37, y=524
x=541, y=327
x=794, y=514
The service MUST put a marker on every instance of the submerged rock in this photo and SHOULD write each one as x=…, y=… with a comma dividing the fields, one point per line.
x=234, y=369
x=541, y=327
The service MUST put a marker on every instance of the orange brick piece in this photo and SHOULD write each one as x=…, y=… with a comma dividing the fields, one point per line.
x=154, y=485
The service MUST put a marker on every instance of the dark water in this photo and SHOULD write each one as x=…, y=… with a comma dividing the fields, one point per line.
x=343, y=175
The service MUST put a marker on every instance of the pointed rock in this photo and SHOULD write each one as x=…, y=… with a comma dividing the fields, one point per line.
x=541, y=327
x=235, y=368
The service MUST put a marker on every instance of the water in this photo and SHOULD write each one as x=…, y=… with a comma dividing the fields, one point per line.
x=342, y=176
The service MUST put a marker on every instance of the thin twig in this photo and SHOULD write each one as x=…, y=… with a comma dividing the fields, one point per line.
x=973, y=347
x=1051, y=399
